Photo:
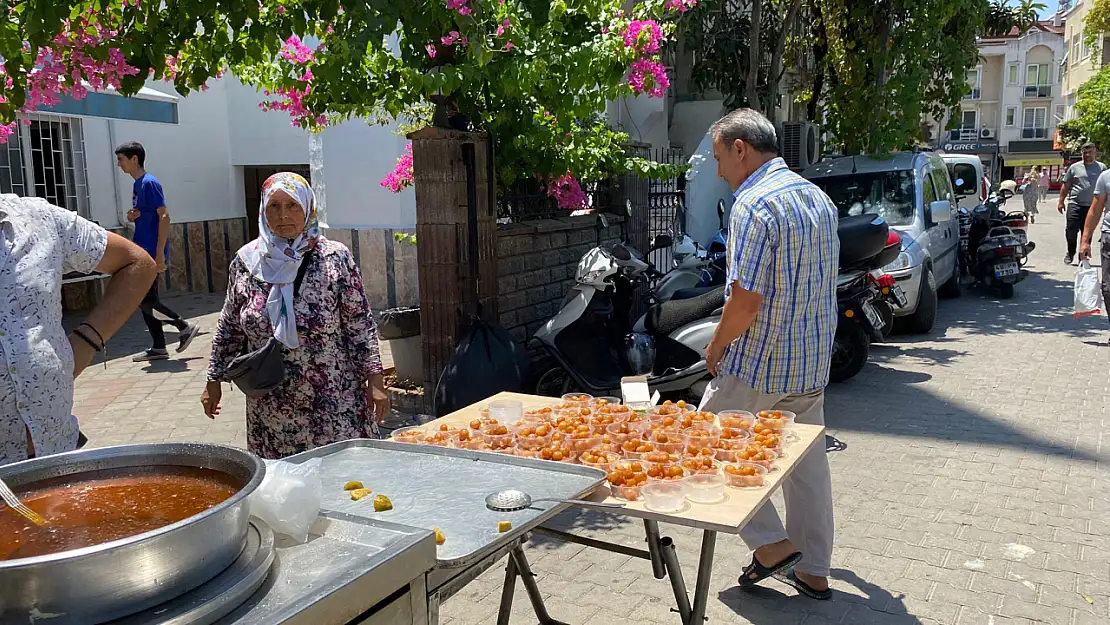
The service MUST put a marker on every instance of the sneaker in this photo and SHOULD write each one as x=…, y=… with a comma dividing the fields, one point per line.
x=188, y=333
x=151, y=354
x=1067, y=259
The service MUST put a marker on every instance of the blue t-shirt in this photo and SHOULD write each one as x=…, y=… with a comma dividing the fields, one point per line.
x=147, y=198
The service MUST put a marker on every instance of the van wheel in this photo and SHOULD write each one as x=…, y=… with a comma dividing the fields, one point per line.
x=923, y=319
x=850, y=349
x=951, y=289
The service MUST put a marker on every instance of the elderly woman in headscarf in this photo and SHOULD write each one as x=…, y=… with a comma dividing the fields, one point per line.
x=333, y=388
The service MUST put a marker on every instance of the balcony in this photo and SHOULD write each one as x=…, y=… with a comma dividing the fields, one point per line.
x=1034, y=133
x=1037, y=92
x=972, y=134
x=973, y=93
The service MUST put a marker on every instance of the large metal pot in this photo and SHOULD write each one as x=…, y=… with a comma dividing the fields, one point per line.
x=104, y=582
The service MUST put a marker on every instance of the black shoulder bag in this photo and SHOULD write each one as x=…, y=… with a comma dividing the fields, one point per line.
x=261, y=371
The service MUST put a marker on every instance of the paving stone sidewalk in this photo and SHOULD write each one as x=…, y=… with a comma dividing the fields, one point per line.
x=969, y=467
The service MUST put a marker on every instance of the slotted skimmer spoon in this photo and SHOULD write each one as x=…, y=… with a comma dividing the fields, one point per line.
x=512, y=500
x=17, y=506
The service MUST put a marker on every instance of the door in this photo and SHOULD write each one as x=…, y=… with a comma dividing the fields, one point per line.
x=944, y=258
x=969, y=126
x=253, y=178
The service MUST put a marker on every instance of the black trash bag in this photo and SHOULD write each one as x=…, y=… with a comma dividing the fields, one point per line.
x=487, y=361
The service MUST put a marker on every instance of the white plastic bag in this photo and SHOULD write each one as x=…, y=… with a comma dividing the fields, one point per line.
x=1088, y=291
x=288, y=499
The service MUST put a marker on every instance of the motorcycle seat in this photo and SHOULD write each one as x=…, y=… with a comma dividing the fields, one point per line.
x=692, y=292
x=662, y=319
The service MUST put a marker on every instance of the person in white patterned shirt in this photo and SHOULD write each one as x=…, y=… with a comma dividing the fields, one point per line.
x=39, y=243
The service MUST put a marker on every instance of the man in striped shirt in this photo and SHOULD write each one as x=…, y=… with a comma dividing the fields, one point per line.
x=773, y=347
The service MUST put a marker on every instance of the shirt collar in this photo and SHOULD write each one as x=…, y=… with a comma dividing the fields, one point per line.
x=775, y=164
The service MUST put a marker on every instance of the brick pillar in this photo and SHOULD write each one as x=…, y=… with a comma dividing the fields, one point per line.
x=442, y=234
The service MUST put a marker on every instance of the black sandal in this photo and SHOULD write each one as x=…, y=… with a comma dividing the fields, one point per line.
x=790, y=579
x=762, y=572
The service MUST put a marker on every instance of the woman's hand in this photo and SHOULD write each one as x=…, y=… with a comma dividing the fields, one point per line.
x=210, y=399
x=377, y=399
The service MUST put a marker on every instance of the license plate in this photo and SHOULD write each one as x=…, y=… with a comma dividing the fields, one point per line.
x=1006, y=269
x=899, y=296
x=872, y=315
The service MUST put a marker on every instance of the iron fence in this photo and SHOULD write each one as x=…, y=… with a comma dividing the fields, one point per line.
x=530, y=202
x=665, y=202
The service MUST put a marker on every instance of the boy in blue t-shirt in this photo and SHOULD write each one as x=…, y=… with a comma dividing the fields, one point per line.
x=152, y=230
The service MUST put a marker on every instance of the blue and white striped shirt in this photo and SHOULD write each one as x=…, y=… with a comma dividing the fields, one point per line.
x=782, y=244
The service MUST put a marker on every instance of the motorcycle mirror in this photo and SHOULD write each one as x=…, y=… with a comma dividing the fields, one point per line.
x=720, y=208
x=680, y=183
x=662, y=241
x=603, y=220
x=628, y=206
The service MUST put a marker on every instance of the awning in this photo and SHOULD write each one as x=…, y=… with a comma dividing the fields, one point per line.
x=148, y=105
x=1028, y=160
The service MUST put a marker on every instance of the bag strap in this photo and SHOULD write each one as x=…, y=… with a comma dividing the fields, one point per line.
x=305, y=260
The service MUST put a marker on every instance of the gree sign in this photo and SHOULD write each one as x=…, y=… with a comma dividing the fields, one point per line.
x=973, y=147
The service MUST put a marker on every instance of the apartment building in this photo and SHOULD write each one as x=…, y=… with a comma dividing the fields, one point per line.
x=1013, y=103
x=1080, y=62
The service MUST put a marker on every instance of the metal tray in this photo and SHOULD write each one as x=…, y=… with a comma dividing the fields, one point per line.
x=434, y=487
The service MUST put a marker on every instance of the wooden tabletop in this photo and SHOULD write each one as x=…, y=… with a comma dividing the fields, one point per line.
x=728, y=516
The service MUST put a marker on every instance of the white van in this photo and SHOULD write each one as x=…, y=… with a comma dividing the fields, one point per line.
x=966, y=172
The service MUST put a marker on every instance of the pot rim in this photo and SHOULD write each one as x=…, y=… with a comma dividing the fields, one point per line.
x=249, y=460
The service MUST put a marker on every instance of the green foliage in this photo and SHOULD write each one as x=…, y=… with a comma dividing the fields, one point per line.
x=1092, y=106
x=886, y=69
x=1095, y=26
x=538, y=87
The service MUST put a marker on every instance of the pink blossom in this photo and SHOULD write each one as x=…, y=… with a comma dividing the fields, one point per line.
x=567, y=192
x=454, y=37
x=681, y=6
x=459, y=6
x=643, y=36
x=281, y=10
x=431, y=48
x=402, y=175
x=509, y=46
x=295, y=51
x=644, y=69
x=505, y=25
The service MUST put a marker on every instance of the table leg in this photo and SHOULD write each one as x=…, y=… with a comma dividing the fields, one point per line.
x=658, y=568
x=674, y=572
x=507, y=590
x=533, y=589
x=705, y=575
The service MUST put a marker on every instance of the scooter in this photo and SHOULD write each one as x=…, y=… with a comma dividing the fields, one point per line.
x=594, y=343
x=866, y=245
x=711, y=272
x=995, y=252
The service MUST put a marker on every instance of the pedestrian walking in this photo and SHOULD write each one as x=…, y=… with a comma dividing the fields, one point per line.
x=1031, y=194
x=1076, y=195
x=773, y=346
x=39, y=243
x=1042, y=181
x=1099, y=219
x=152, y=230
x=295, y=285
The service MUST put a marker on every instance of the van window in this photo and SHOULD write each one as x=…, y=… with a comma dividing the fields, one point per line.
x=944, y=187
x=969, y=177
x=889, y=194
x=928, y=193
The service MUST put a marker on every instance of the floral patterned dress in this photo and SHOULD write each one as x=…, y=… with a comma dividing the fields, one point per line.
x=323, y=397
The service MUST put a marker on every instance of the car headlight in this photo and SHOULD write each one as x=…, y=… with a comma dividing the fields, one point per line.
x=900, y=263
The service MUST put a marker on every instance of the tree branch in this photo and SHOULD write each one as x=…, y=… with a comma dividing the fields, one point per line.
x=775, y=75
x=752, y=88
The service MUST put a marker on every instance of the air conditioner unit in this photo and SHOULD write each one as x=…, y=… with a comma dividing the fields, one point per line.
x=986, y=133
x=800, y=144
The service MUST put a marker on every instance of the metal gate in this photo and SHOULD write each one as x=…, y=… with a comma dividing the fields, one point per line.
x=664, y=202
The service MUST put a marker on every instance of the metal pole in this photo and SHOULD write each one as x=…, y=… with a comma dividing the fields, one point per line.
x=651, y=529
x=507, y=590
x=705, y=574
x=596, y=544
x=674, y=571
x=529, y=579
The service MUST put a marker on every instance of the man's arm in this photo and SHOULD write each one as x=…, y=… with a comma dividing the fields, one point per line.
x=1064, y=189
x=740, y=310
x=163, y=236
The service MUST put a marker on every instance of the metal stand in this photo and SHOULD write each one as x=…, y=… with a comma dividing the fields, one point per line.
x=518, y=567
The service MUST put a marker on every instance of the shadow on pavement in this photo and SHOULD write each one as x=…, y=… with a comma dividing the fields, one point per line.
x=170, y=366
x=766, y=604
x=898, y=404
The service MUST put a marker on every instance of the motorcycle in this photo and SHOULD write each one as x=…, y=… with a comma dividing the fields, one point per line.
x=865, y=295
x=995, y=253
x=709, y=273
x=594, y=343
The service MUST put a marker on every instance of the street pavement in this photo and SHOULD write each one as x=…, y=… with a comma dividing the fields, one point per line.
x=969, y=468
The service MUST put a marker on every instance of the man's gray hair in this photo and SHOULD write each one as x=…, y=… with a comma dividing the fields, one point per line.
x=749, y=126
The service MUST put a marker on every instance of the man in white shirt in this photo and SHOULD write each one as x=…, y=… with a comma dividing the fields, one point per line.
x=39, y=243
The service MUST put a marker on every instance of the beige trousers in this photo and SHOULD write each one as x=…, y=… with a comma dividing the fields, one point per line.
x=808, y=490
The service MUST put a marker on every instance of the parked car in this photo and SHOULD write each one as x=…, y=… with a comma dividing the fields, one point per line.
x=913, y=193
x=968, y=181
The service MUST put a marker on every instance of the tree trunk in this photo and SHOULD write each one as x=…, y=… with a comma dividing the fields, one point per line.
x=752, y=88
x=775, y=75
x=820, y=51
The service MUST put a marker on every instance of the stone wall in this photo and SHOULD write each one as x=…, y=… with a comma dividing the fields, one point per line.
x=536, y=265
